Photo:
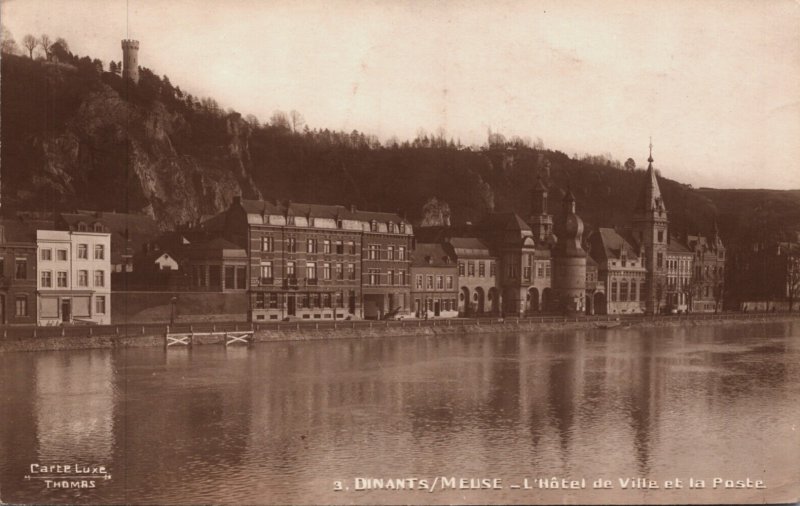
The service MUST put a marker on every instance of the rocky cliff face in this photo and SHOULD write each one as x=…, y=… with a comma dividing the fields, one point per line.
x=113, y=154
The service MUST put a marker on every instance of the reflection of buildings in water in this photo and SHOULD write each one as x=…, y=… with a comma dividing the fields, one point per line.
x=566, y=385
x=188, y=418
x=74, y=406
x=18, y=443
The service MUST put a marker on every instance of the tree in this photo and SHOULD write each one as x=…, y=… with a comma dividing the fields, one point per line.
x=63, y=43
x=45, y=42
x=9, y=45
x=112, y=67
x=435, y=213
x=29, y=42
x=630, y=164
x=793, y=278
x=297, y=120
x=279, y=119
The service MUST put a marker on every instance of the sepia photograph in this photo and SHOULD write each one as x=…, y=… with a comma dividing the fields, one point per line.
x=269, y=252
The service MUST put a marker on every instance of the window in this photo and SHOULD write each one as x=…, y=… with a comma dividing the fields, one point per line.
x=660, y=236
x=613, y=291
x=391, y=276
x=461, y=269
x=402, y=228
x=339, y=299
x=61, y=255
x=401, y=253
x=373, y=252
x=99, y=252
x=471, y=269
x=449, y=282
x=326, y=300
x=98, y=227
x=47, y=279
x=429, y=282
x=82, y=227
x=492, y=269
x=100, y=304
x=326, y=247
x=305, y=300
x=61, y=279
x=373, y=226
x=291, y=245
x=312, y=246
x=540, y=270
x=391, y=227
x=241, y=277
x=260, y=302
x=83, y=278
x=22, y=305
x=390, y=253
x=547, y=271
x=266, y=271
x=99, y=278
x=83, y=251
x=267, y=244
x=403, y=278
x=326, y=271
x=482, y=270
x=339, y=247
x=526, y=272
x=419, y=282
x=47, y=254
x=290, y=220
x=339, y=269
x=660, y=260
x=230, y=276
x=21, y=268
x=351, y=247
x=642, y=291
x=623, y=291
x=439, y=283
x=374, y=276
x=311, y=270
x=310, y=221
x=351, y=271
x=273, y=301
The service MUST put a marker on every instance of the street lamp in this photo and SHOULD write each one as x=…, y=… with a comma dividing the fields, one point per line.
x=173, y=304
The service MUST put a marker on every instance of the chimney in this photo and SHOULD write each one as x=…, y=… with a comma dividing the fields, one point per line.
x=352, y=208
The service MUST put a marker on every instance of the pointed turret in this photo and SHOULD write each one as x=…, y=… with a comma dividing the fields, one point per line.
x=649, y=199
x=541, y=220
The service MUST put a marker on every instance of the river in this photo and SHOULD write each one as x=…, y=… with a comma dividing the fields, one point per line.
x=292, y=422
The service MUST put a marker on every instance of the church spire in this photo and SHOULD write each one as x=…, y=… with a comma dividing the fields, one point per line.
x=650, y=195
x=650, y=158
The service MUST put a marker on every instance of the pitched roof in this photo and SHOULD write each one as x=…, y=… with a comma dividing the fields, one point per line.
x=676, y=246
x=128, y=231
x=430, y=255
x=608, y=244
x=261, y=207
x=507, y=221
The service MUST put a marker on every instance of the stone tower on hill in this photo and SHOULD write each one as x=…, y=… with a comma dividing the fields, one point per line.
x=130, y=60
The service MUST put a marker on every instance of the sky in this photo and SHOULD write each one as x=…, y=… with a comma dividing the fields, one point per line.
x=715, y=83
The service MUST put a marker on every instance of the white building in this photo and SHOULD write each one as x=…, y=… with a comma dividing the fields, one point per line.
x=73, y=278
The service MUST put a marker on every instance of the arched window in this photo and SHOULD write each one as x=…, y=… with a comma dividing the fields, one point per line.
x=82, y=227
x=98, y=227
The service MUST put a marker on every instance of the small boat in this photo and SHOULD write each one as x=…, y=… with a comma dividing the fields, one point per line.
x=607, y=325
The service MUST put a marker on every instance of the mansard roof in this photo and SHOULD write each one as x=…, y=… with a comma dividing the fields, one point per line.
x=266, y=207
x=431, y=255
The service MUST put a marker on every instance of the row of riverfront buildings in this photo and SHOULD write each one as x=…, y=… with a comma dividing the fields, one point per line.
x=289, y=260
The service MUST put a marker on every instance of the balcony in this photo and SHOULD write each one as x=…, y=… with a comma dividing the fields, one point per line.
x=266, y=281
x=290, y=282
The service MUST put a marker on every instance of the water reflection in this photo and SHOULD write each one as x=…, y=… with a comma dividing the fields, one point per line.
x=280, y=422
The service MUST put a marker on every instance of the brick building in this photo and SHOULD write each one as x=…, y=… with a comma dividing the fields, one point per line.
x=311, y=261
x=17, y=273
x=434, y=277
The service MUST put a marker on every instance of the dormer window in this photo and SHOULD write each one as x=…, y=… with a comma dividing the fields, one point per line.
x=290, y=219
x=402, y=228
x=82, y=227
x=98, y=227
x=373, y=226
x=391, y=227
x=310, y=221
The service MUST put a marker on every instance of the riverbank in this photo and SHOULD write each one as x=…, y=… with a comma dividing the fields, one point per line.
x=151, y=336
